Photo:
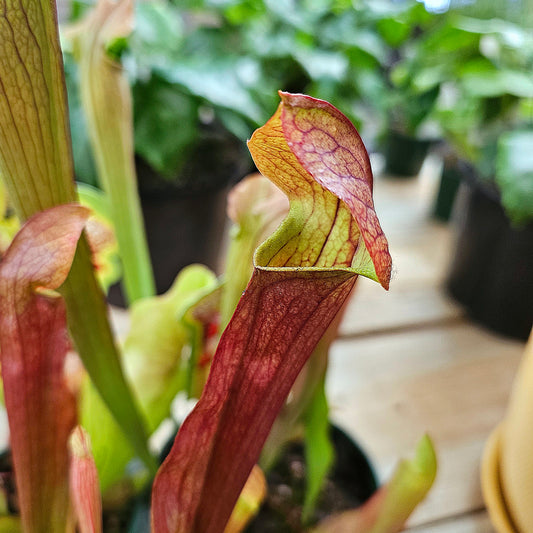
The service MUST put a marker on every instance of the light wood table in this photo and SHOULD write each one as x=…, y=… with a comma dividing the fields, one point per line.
x=409, y=361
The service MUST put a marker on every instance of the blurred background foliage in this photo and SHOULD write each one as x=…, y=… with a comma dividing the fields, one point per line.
x=453, y=70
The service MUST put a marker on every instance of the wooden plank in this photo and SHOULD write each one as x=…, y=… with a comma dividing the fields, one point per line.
x=421, y=255
x=372, y=310
x=420, y=246
x=452, y=382
x=478, y=522
x=404, y=201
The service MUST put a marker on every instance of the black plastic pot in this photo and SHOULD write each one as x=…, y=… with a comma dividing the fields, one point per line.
x=492, y=269
x=449, y=185
x=404, y=155
x=182, y=229
x=349, y=484
x=185, y=216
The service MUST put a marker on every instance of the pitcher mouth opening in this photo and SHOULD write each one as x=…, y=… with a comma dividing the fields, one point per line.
x=492, y=487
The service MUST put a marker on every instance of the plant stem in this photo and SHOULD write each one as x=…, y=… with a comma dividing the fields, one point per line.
x=89, y=327
x=106, y=99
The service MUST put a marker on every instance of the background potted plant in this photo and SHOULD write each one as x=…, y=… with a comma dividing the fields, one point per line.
x=409, y=86
x=486, y=118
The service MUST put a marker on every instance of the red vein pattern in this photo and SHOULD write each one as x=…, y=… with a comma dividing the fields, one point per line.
x=329, y=147
x=325, y=234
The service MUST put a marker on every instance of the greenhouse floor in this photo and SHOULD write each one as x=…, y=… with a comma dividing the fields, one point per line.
x=408, y=362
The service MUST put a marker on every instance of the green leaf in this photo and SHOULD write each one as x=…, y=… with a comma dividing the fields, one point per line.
x=217, y=81
x=409, y=485
x=482, y=79
x=427, y=78
x=322, y=63
x=447, y=41
x=390, y=507
x=394, y=31
x=514, y=174
x=111, y=449
x=289, y=13
x=158, y=108
x=478, y=25
x=158, y=33
x=319, y=451
x=340, y=31
x=116, y=47
x=106, y=98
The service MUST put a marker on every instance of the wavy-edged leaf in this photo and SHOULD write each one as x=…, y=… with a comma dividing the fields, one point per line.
x=36, y=166
x=302, y=276
x=312, y=152
x=84, y=486
x=33, y=339
x=390, y=507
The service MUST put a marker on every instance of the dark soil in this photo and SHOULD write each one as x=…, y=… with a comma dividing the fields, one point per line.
x=7, y=482
x=491, y=274
x=350, y=483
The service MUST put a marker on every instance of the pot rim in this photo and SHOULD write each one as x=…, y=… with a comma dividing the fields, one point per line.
x=491, y=484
